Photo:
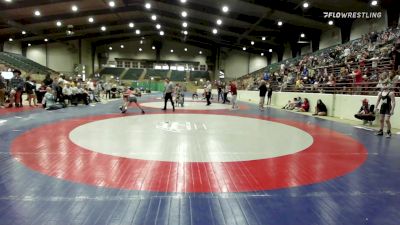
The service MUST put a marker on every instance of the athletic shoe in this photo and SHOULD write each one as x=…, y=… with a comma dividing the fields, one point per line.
x=120, y=108
x=388, y=134
x=379, y=133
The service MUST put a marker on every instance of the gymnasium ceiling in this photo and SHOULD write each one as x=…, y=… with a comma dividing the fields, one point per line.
x=245, y=21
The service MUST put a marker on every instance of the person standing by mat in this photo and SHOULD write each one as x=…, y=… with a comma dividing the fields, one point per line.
x=386, y=109
x=263, y=91
x=168, y=91
x=233, y=89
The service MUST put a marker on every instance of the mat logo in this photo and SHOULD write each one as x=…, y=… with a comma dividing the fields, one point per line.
x=179, y=127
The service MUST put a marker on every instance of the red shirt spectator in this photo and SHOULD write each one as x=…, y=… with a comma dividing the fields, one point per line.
x=233, y=89
x=358, y=76
x=305, y=105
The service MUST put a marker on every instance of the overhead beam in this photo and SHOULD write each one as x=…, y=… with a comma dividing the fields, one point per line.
x=31, y=3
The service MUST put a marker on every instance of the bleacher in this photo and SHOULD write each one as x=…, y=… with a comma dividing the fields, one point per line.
x=23, y=63
x=133, y=74
x=194, y=75
x=161, y=74
x=178, y=75
x=113, y=71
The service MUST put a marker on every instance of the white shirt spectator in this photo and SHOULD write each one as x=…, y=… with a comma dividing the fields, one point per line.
x=74, y=90
x=347, y=52
x=67, y=91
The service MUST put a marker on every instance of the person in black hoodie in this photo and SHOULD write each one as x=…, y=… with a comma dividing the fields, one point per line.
x=263, y=91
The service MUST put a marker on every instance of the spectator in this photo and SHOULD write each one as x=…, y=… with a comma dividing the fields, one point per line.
x=320, y=109
x=207, y=92
x=269, y=94
x=49, y=100
x=30, y=88
x=233, y=90
x=263, y=91
x=366, y=112
x=2, y=91
x=17, y=87
x=67, y=93
x=226, y=92
x=48, y=81
x=305, y=106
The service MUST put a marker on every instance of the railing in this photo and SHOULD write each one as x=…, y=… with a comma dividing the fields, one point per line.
x=364, y=88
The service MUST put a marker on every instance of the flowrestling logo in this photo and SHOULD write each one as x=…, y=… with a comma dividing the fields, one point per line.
x=353, y=15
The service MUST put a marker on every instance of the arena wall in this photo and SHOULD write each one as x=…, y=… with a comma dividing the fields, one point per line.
x=339, y=106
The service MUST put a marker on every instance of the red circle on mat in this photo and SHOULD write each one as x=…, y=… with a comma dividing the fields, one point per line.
x=48, y=150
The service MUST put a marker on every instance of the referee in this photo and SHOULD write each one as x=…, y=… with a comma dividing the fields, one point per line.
x=168, y=90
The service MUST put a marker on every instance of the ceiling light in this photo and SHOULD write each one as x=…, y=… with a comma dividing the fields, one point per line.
x=10, y=39
x=225, y=9
x=110, y=48
x=172, y=50
x=23, y=32
x=29, y=45
x=200, y=52
x=330, y=22
x=162, y=33
x=252, y=42
x=374, y=3
x=280, y=23
x=244, y=48
x=184, y=24
x=122, y=46
x=263, y=38
x=37, y=13
x=184, y=14
x=111, y=4
x=8, y=0
x=154, y=17
x=270, y=50
x=74, y=8
x=215, y=31
x=137, y=31
x=46, y=40
x=302, y=35
x=90, y=19
x=141, y=42
x=262, y=53
x=219, y=22
x=103, y=28
x=306, y=5
x=147, y=5
x=185, y=32
x=158, y=26
x=140, y=49
x=59, y=23
x=131, y=25
x=185, y=49
x=153, y=47
x=183, y=1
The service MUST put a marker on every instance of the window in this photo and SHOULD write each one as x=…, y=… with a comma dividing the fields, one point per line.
x=127, y=64
x=135, y=65
x=203, y=67
x=119, y=64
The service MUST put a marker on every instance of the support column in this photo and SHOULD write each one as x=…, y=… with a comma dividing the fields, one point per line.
x=393, y=17
x=80, y=50
x=1, y=46
x=24, y=49
x=93, y=51
x=345, y=30
x=279, y=51
x=315, y=39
